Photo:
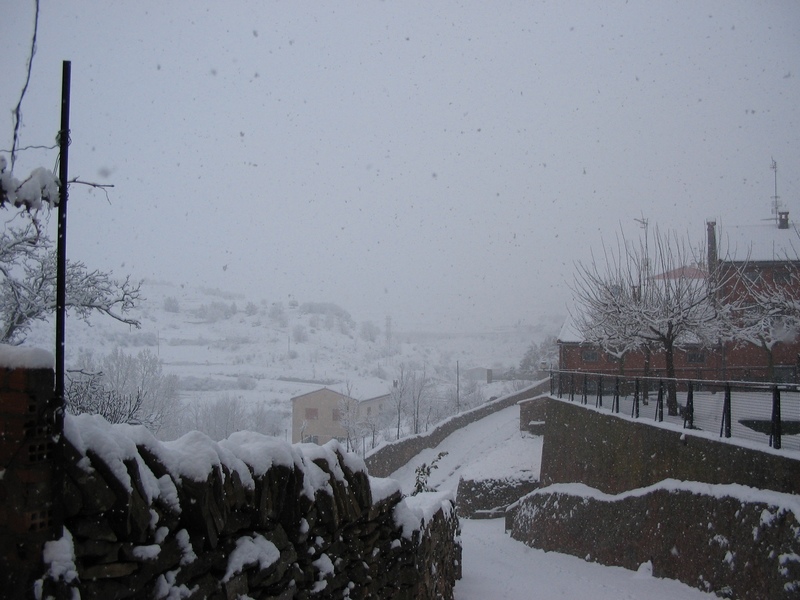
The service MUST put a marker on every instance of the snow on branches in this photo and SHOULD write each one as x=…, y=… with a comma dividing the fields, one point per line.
x=28, y=285
x=39, y=190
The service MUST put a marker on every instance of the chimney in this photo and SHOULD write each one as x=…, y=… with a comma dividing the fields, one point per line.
x=783, y=219
x=712, y=247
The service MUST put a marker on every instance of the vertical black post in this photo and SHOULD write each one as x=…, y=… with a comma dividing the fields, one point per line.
x=572, y=386
x=61, y=268
x=775, y=432
x=584, y=399
x=635, y=408
x=688, y=415
x=660, y=402
x=725, y=429
x=599, y=402
x=615, y=403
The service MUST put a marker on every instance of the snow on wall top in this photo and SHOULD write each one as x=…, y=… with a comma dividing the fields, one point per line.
x=16, y=357
x=194, y=455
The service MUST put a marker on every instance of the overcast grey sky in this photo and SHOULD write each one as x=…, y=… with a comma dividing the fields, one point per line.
x=442, y=162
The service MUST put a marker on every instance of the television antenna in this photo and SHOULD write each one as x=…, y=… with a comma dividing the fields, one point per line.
x=776, y=202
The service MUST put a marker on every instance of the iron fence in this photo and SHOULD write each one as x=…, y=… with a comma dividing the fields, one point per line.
x=766, y=413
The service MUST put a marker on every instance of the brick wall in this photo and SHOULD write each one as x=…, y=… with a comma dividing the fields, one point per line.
x=28, y=513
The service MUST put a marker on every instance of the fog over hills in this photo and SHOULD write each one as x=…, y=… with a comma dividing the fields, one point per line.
x=238, y=353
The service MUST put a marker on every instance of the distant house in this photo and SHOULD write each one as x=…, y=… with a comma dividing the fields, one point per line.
x=478, y=374
x=324, y=415
x=766, y=253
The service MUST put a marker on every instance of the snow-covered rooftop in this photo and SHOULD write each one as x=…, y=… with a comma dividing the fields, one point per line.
x=758, y=242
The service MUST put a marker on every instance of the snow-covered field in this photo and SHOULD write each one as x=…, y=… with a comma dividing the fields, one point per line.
x=238, y=351
x=498, y=567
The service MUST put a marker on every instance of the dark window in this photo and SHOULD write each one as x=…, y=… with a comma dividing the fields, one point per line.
x=590, y=355
x=312, y=414
x=695, y=358
x=753, y=275
x=337, y=415
x=780, y=276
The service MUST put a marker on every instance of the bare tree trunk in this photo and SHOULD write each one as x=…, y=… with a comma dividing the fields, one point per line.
x=672, y=386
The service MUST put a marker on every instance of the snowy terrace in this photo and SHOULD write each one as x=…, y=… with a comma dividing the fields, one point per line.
x=747, y=417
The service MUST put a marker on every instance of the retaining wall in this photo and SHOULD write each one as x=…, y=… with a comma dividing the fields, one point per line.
x=614, y=453
x=717, y=516
x=386, y=459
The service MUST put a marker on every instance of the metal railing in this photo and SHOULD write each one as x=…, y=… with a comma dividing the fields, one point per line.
x=761, y=412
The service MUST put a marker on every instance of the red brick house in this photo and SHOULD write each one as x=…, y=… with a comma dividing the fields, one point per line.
x=766, y=254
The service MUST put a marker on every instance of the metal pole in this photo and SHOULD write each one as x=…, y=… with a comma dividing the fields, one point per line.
x=688, y=417
x=61, y=268
x=725, y=428
x=660, y=402
x=775, y=430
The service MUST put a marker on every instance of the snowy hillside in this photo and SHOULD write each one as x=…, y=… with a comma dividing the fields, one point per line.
x=232, y=353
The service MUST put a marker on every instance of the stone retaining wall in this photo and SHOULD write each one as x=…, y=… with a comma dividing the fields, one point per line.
x=715, y=515
x=386, y=459
x=614, y=453
x=720, y=539
x=489, y=498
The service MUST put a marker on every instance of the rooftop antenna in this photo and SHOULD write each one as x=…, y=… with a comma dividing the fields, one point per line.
x=776, y=203
x=643, y=223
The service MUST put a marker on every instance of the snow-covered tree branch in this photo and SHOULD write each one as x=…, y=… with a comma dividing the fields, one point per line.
x=28, y=285
x=40, y=189
x=650, y=294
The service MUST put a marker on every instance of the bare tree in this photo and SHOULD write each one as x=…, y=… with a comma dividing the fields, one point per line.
x=622, y=306
x=28, y=285
x=419, y=393
x=398, y=396
x=124, y=388
x=85, y=393
x=764, y=312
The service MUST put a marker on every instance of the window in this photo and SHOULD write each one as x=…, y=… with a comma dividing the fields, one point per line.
x=337, y=415
x=369, y=410
x=312, y=414
x=590, y=355
x=781, y=276
x=753, y=275
x=695, y=358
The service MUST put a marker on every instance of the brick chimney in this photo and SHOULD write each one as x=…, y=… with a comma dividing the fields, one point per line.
x=712, y=247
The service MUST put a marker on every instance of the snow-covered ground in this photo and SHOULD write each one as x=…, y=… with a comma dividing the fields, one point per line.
x=498, y=567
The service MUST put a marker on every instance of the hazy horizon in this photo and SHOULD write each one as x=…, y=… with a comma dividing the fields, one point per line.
x=443, y=164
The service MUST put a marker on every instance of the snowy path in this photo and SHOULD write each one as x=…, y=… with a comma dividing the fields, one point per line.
x=498, y=567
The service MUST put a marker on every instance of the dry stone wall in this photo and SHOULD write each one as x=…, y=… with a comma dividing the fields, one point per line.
x=250, y=516
x=712, y=514
x=127, y=516
x=721, y=539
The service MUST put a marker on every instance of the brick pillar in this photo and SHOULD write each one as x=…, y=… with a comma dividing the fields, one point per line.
x=27, y=482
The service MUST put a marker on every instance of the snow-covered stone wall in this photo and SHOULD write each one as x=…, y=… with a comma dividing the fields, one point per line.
x=614, y=453
x=731, y=540
x=251, y=516
x=389, y=457
x=715, y=515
